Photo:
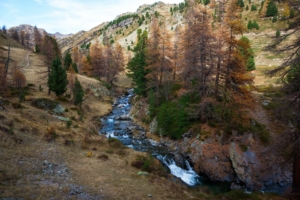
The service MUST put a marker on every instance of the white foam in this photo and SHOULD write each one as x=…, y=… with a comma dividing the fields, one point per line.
x=189, y=176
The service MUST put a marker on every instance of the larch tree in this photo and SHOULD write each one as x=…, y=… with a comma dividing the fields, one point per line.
x=220, y=57
x=27, y=39
x=159, y=52
x=97, y=57
x=176, y=55
x=198, y=50
x=19, y=79
x=119, y=62
x=22, y=37
x=85, y=64
x=37, y=39
x=263, y=10
x=153, y=55
x=235, y=93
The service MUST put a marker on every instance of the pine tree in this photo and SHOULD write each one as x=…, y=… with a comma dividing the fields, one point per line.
x=74, y=66
x=271, y=9
x=57, y=79
x=250, y=25
x=278, y=33
x=241, y=3
x=137, y=65
x=78, y=93
x=67, y=61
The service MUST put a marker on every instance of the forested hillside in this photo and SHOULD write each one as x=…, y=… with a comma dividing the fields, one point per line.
x=216, y=85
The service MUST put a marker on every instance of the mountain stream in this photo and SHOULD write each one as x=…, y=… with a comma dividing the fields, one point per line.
x=119, y=125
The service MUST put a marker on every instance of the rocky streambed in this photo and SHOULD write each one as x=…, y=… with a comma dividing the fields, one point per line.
x=198, y=162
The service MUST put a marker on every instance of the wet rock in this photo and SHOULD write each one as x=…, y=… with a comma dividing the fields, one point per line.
x=235, y=186
x=266, y=102
x=187, y=134
x=143, y=173
x=59, y=109
x=123, y=117
x=153, y=126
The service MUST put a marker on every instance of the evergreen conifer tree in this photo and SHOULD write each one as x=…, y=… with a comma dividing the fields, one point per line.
x=137, y=65
x=271, y=9
x=250, y=25
x=57, y=78
x=78, y=93
x=74, y=65
x=67, y=61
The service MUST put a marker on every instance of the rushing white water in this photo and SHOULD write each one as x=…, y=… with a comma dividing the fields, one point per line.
x=116, y=125
x=189, y=176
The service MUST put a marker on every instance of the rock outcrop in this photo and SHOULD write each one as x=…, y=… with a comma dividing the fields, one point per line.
x=240, y=158
x=252, y=169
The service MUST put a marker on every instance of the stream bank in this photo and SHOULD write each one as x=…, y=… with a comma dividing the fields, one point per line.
x=118, y=124
x=239, y=158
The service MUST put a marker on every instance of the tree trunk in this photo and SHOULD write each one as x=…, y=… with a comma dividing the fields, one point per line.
x=7, y=62
x=296, y=164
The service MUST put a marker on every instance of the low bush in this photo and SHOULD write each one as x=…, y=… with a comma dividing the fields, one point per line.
x=150, y=164
x=68, y=124
x=243, y=147
x=17, y=106
x=109, y=151
x=115, y=143
x=51, y=134
x=103, y=157
x=44, y=103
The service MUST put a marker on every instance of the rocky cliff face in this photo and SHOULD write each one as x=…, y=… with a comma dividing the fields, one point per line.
x=239, y=159
x=28, y=29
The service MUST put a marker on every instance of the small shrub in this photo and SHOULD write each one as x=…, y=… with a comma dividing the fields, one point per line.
x=263, y=133
x=150, y=164
x=68, y=142
x=68, y=124
x=115, y=143
x=68, y=96
x=30, y=85
x=66, y=110
x=89, y=154
x=243, y=147
x=44, y=103
x=103, y=157
x=73, y=108
x=22, y=98
x=11, y=130
x=17, y=106
x=278, y=33
x=109, y=151
x=62, y=99
x=41, y=88
x=122, y=152
x=51, y=134
x=83, y=145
